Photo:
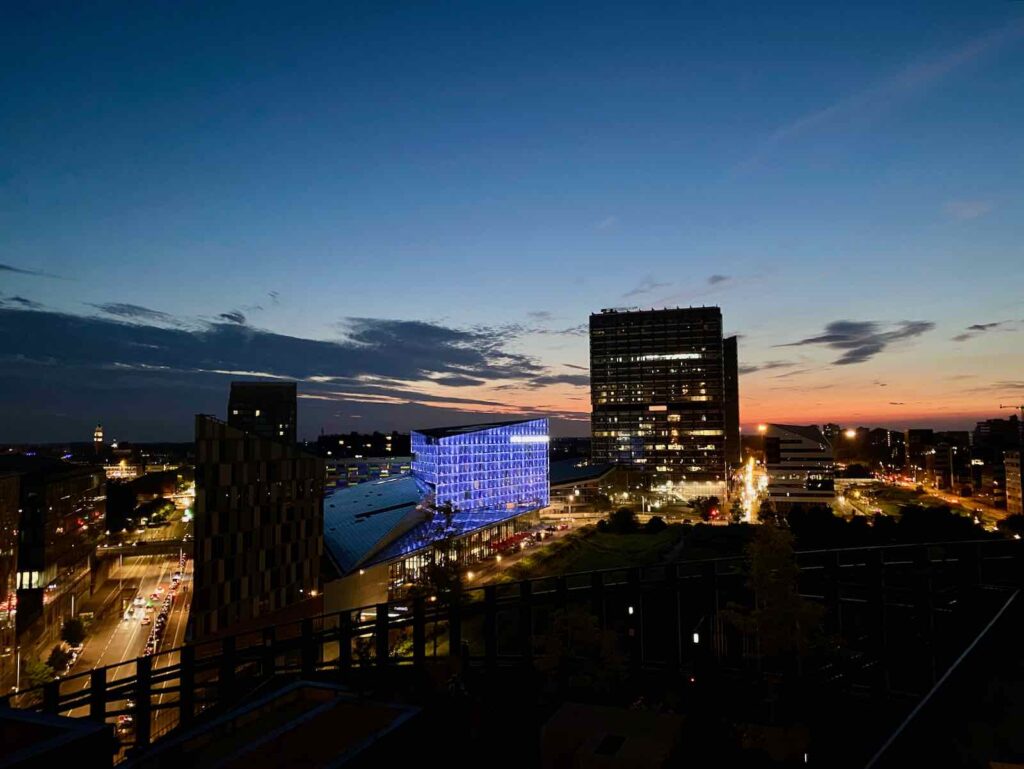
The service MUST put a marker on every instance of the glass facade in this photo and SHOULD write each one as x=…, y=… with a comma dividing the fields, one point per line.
x=496, y=469
x=658, y=393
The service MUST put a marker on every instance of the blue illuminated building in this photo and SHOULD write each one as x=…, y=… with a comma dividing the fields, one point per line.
x=499, y=467
x=493, y=476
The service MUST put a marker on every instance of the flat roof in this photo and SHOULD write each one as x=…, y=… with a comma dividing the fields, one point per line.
x=445, y=432
x=563, y=471
x=358, y=519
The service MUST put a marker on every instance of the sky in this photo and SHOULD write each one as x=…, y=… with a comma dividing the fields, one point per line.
x=412, y=209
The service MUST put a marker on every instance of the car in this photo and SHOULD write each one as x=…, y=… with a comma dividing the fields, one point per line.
x=129, y=704
x=159, y=590
x=125, y=723
x=146, y=620
x=139, y=600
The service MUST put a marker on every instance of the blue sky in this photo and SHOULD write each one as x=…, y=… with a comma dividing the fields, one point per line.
x=488, y=175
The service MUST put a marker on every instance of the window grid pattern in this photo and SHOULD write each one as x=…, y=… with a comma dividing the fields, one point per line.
x=501, y=468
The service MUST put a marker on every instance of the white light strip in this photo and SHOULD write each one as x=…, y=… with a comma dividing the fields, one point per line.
x=529, y=439
x=673, y=356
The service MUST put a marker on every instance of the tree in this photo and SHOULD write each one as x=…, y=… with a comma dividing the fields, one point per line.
x=781, y=620
x=73, y=632
x=441, y=576
x=736, y=511
x=602, y=503
x=768, y=513
x=622, y=521
x=58, y=659
x=38, y=673
x=577, y=654
x=655, y=524
x=706, y=507
x=1012, y=524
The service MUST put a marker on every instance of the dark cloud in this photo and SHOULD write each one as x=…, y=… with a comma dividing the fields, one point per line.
x=26, y=271
x=897, y=403
x=577, y=380
x=234, y=316
x=456, y=380
x=578, y=368
x=540, y=315
x=153, y=378
x=274, y=296
x=750, y=368
x=714, y=280
x=20, y=301
x=646, y=286
x=134, y=312
x=580, y=330
x=862, y=340
x=977, y=329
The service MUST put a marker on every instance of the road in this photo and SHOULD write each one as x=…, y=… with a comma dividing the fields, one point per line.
x=116, y=639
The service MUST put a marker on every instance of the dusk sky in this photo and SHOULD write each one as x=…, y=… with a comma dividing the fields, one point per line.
x=413, y=209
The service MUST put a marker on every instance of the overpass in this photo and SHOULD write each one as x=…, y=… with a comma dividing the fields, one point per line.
x=144, y=547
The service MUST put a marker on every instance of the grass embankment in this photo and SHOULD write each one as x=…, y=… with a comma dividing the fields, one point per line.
x=891, y=498
x=588, y=549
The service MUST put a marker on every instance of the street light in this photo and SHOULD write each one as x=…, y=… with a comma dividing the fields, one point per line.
x=850, y=433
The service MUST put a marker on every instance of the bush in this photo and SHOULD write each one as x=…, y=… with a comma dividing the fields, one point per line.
x=73, y=632
x=622, y=521
x=655, y=524
x=58, y=659
x=38, y=673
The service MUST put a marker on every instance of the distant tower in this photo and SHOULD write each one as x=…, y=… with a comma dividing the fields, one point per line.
x=97, y=438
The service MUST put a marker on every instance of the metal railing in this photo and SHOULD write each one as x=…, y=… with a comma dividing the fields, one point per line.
x=653, y=611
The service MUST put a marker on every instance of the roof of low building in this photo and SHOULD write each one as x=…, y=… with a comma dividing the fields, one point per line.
x=359, y=519
x=446, y=432
x=564, y=471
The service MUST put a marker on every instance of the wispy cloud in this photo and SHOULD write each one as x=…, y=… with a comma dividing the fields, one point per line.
x=607, y=223
x=234, y=316
x=27, y=271
x=20, y=301
x=965, y=210
x=888, y=93
x=714, y=280
x=646, y=286
x=978, y=329
x=134, y=312
x=862, y=340
x=750, y=368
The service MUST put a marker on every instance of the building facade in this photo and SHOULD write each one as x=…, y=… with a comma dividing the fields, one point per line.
x=258, y=527
x=731, y=373
x=9, y=496
x=267, y=409
x=60, y=519
x=500, y=467
x=1014, y=499
x=800, y=466
x=475, y=488
x=658, y=396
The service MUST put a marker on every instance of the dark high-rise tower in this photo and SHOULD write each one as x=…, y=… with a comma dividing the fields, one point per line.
x=730, y=356
x=658, y=395
x=264, y=408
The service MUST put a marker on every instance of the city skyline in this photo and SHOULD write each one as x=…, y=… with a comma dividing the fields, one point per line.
x=415, y=227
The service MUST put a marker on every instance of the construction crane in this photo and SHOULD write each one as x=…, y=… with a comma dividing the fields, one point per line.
x=1015, y=408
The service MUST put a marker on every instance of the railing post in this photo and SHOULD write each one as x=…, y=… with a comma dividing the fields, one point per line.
x=51, y=697
x=923, y=600
x=380, y=634
x=490, y=628
x=345, y=641
x=455, y=624
x=226, y=675
x=269, y=651
x=675, y=640
x=875, y=568
x=561, y=592
x=419, y=631
x=187, y=683
x=308, y=649
x=597, y=597
x=526, y=622
x=634, y=620
x=98, y=694
x=833, y=594
x=143, y=700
